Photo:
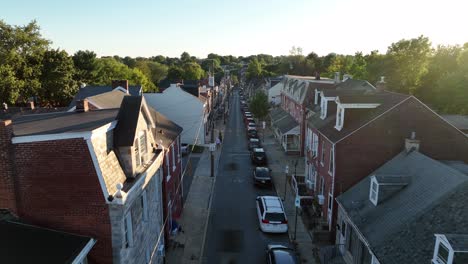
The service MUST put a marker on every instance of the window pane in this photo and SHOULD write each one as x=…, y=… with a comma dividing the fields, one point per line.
x=443, y=253
x=275, y=217
x=137, y=155
x=143, y=143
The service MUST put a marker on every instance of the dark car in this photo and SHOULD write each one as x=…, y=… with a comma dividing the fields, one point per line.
x=259, y=156
x=254, y=143
x=261, y=176
x=252, y=133
x=277, y=253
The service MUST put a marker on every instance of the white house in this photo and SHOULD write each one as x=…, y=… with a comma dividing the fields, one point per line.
x=184, y=109
x=274, y=93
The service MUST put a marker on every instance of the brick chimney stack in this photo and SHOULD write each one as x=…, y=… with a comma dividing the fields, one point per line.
x=121, y=83
x=381, y=84
x=337, y=77
x=412, y=143
x=82, y=105
x=7, y=189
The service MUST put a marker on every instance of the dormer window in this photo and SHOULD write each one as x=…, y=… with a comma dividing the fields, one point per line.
x=323, y=108
x=374, y=191
x=140, y=148
x=383, y=186
x=316, y=97
x=450, y=249
x=339, y=117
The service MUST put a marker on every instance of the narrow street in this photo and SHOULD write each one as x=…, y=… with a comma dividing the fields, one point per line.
x=233, y=234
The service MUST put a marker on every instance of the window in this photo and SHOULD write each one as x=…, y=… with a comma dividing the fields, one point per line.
x=140, y=148
x=343, y=228
x=314, y=144
x=330, y=166
x=322, y=160
x=374, y=191
x=128, y=232
x=322, y=185
x=442, y=253
x=137, y=155
x=330, y=201
x=143, y=145
x=168, y=177
x=323, y=108
x=144, y=206
x=173, y=156
x=339, y=118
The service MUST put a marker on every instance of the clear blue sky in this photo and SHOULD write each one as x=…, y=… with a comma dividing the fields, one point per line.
x=239, y=27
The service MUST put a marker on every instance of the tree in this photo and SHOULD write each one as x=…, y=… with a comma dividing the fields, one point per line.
x=254, y=70
x=175, y=73
x=192, y=71
x=185, y=57
x=408, y=60
x=376, y=66
x=21, y=52
x=358, y=68
x=58, y=85
x=85, y=66
x=259, y=105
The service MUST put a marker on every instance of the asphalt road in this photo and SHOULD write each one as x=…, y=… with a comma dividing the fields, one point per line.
x=233, y=234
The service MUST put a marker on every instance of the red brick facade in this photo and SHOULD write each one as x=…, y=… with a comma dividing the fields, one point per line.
x=297, y=111
x=370, y=147
x=7, y=191
x=57, y=187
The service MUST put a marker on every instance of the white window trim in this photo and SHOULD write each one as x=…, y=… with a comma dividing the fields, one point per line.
x=141, y=154
x=316, y=97
x=168, y=177
x=323, y=108
x=145, y=206
x=330, y=204
x=339, y=118
x=315, y=141
x=441, y=239
x=330, y=162
x=374, y=200
x=173, y=157
x=322, y=156
x=128, y=224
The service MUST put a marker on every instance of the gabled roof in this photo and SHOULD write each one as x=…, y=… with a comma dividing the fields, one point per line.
x=89, y=91
x=165, y=131
x=401, y=228
x=124, y=132
x=62, y=122
x=112, y=99
x=354, y=118
x=458, y=121
x=23, y=243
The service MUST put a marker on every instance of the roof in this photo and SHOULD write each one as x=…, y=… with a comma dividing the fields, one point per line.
x=354, y=118
x=22, y=243
x=165, y=131
x=62, y=122
x=283, y=120
x=124, y=132
x=111, y=99
x=13, y=112
x=401, y=228
x=458, y=121
x=89, y=91
x=458, y=242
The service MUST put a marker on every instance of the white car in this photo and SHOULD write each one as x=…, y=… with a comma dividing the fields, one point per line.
x=271, y=216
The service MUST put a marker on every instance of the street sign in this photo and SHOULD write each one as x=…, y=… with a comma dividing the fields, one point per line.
x=212, y=147
x=297, y=202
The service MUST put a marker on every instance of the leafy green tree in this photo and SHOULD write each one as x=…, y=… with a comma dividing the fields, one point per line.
x=192, y=71
x=408, y=60
x=185, y=57
x=376, y=66
x=21, y=52
x=58, y=85
x=254, y=70
x=175, y=73
x=358, y=68
x=85, y=66
x=259, y=105
x=129, y=61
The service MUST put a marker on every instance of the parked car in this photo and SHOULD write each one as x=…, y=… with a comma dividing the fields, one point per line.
x=277, y=253
x=271, y=216
x=251, y=133
x=184, y=148
x=249, y=120
x=259, y=156
x=251, y=126
x=261, y=176
x=254, y=143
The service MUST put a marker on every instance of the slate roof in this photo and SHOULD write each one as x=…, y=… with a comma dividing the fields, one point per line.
x=124, y=132
x=166, y=131
x=23, y=243
x=459, y=242
x=283, y=120
x=13, y=112
x=89, y=91
x=62, y=122
x=107, y=100
x=401, y=228
x=354, y=118
x=458, y=121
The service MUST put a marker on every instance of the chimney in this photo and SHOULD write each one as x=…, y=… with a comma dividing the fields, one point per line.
x=346, y=77
x=337, y=77
x=381, y=84
x=412, y=143
x=82, y=106
x=121, y=83
x=317, y=75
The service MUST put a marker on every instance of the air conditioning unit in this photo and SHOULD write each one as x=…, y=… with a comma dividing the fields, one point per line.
x=321, y=199
x=310, y=184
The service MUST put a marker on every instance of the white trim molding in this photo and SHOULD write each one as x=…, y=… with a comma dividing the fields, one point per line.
x=84, y=252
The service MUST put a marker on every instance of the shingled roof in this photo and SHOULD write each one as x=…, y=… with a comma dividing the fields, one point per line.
x=165, y=131
x=401, y=228
x=124, y=132
x=89, y=91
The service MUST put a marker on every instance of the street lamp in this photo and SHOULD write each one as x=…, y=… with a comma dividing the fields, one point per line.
x=286, y=171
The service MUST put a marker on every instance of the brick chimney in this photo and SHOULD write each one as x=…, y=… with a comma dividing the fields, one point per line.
x=82, y=106
x=381, y=84
x=317, y=75
x=121, y=83
x=412, y=143
x=337, y=77
x=7, y=189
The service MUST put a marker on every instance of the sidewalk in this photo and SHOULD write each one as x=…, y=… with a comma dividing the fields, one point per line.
x=278, y=161
x=195, y=214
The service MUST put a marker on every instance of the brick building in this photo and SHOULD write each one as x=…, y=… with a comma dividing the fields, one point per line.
x=355, y=127
x=92, y=173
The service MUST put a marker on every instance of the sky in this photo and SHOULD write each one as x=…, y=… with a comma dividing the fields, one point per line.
x=240, y=27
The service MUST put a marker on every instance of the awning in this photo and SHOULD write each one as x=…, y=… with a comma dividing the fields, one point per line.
x=284, y=122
